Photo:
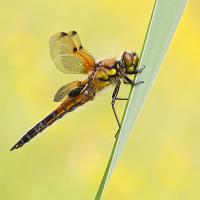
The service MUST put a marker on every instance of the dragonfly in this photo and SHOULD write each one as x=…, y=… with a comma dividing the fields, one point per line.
x=70, y=57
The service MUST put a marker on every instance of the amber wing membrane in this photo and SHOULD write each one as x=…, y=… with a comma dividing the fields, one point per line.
x=68, y=54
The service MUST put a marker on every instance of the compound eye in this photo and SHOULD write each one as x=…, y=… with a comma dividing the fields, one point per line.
x=135, y=59
x=127, y=59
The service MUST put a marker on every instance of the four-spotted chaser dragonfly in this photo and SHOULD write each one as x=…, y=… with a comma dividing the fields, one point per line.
x=69, y=57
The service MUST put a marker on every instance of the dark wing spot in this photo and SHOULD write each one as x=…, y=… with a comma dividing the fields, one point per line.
x=74, y=32
x=74, y=49
x=63, y=34
x=75, y=92
x=81, y=47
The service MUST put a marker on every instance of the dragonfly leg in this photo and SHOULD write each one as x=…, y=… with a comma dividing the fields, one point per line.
x=117, y=133
x=114, y=97
x=126, y=82
x=129, y=81
x=121, y=98
x=137, y=71
x=115, y=93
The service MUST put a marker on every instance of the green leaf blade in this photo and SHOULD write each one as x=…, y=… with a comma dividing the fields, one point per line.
x=166, y=16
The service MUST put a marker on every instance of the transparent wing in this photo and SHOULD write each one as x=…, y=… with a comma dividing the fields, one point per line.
x=69, y=90
x=68, y=54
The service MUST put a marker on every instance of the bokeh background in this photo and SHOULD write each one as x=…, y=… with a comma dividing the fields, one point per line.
x=67, y=161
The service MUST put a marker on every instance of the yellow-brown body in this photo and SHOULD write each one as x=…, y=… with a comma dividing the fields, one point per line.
x=69, y=56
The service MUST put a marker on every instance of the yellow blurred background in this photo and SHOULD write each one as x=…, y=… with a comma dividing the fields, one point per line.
x=162, y=158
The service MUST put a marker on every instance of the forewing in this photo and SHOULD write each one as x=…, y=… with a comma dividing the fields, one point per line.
x=69, y=90
x=68, y=54
x=82, y=51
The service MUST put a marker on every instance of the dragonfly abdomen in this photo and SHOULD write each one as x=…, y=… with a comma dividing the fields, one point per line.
x=35, y=130
x=67, y=106
x=38, y=128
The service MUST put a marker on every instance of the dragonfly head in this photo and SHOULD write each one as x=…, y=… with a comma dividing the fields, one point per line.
x=129, y=61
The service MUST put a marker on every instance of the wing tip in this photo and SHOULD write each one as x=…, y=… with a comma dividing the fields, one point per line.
x=63, y=34
x=74, y=33
x=55, y=99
